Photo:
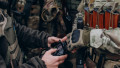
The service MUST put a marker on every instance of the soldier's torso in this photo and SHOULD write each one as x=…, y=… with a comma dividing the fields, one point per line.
x=32, y=11
x=9, y=46
x=53, y=22
x=102, y=58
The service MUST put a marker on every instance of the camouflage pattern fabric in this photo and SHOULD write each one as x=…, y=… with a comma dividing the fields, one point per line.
x=95, y=40
x=112, y=64
x=103, y=39
x=114, y=36
x=50, y=10
x=82, y=5
x=20, y=5
x=53, y=22
x=108, y=39
x=86, y=37
x=33, y=20
x=78, y=15
x=7, y=30
x=75, y=39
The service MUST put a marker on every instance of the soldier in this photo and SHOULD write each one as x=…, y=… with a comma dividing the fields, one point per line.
x=26, y=12
x=12, y=55
x=31, y=10
x=103, y=45
x=53, y=22
x=106, y=43
x=85, y=3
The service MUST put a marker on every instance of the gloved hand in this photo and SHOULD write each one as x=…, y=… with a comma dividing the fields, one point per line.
x=77, y=38
x=97, y=38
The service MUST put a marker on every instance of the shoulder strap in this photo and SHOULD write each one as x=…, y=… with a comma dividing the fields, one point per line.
x=3, y=22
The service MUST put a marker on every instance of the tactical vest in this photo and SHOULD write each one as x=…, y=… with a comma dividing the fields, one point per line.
x=27, y=13
x=7, y=30
x=53, y=19
x=103, y=59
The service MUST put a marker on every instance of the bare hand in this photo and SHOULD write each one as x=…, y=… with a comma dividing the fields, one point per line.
x=53, y=61
x=55, y=39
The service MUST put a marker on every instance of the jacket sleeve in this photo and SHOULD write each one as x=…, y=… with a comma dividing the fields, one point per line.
x=3, y=5
x=34, y=62
x=2, y=62
x=31, y=38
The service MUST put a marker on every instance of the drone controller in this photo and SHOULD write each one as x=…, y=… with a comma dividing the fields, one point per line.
x=61, y=48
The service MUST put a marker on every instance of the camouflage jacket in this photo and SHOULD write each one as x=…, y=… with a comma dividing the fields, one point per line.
x=32, y=63
x=26, y=38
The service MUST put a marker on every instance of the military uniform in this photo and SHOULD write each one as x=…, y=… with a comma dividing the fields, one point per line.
x=104, y=42
x=32, y=63
x=26, y=12
x=30, y=10
x=103, y=45
x=53, y=22
x=11, y=35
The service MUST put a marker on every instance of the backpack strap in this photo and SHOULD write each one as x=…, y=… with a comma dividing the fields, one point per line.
x=3, y=22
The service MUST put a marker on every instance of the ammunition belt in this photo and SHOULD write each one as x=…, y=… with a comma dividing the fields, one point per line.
x=99, y=57
x=102, y=19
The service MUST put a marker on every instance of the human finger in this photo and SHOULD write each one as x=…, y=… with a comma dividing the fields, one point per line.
x=51, y=51
x=64, y=39
x=63, y=57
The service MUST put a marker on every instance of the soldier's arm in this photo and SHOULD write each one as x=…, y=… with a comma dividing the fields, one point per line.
x=3, y=5
x=31, y=38
x=96, y=38
x=34, y=62
x=2, y=62
x=47, y=61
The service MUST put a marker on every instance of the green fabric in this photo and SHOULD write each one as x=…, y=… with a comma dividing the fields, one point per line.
x=86, y=37
x=10, y=35
x=9, y=31
x=71, y=37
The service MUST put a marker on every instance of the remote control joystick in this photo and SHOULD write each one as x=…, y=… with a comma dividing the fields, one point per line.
x=61, y=48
